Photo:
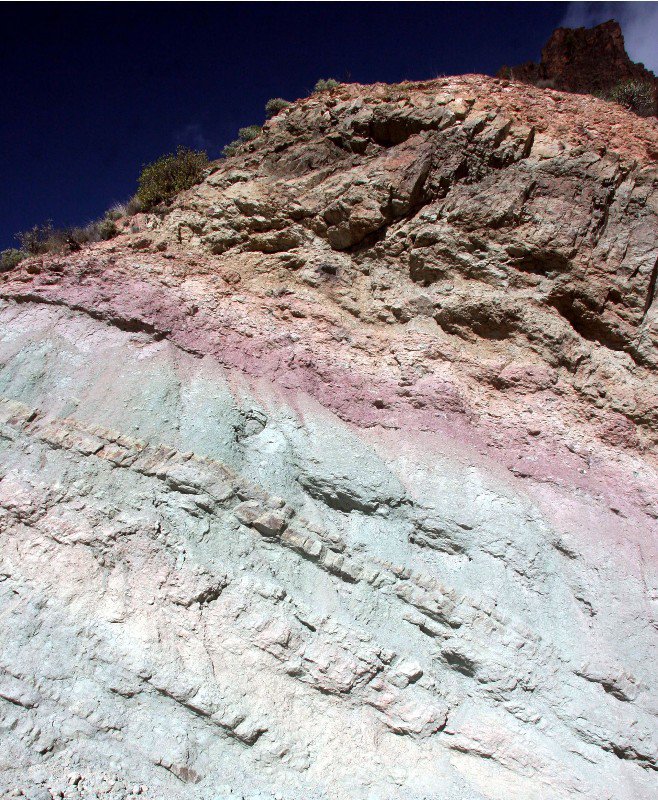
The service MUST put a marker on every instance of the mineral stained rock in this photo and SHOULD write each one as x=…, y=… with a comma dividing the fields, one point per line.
x=338, y=478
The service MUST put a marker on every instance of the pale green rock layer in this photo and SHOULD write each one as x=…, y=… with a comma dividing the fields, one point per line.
x=208, y=592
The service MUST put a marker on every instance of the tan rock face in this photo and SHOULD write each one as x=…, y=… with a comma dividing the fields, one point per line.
x=338, y=479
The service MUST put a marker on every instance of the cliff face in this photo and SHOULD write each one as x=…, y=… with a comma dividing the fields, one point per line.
x=583, y=60
x=338, y=480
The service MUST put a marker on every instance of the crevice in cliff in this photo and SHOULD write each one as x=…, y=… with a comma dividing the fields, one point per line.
x=651, y=290
x=230, y=729
x=587, y=323
x=539, y=262
x=128, y=325
x=628, y=753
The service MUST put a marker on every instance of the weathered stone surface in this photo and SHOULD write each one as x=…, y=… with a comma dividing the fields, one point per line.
x=351, y=491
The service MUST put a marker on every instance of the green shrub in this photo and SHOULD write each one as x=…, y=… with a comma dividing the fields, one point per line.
x=107, y=229
x=326, y=83
x=249, y=133
x=636, y=96
x=117, y=211
x=274, y=105
x=42, y=239
x=169, y=175
x=120, y=210
x=98, y=231
x=85, y=235
x=10, y=258
x=231, y=148
x=32, y=241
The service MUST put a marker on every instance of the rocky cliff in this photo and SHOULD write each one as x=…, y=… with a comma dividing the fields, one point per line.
x=584, y=60
x=338, y=478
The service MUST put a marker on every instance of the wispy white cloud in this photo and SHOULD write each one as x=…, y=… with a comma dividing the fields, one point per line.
x=639, y=24
x=193, y=135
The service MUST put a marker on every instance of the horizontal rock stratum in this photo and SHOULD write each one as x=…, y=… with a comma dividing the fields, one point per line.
x=337, y=479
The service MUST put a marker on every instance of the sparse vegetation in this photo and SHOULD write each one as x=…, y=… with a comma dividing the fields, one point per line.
x=274, y=106
x=326, y=83
x=87, y=234
x=117, y=211
x=158, y=182
x=11, y=258
x=169, y=175
x=133, y=206
x=107, y=229
x=42, y=239
x=231, y=148
x=636, y=96
x=247, y=134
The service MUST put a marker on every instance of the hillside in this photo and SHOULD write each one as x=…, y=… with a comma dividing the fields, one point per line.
x=337, y=478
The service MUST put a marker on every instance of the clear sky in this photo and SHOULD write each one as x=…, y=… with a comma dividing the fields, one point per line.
x=91, y=92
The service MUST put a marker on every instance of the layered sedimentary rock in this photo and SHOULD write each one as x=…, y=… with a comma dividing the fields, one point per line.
x=583, y=60
x=337, y=478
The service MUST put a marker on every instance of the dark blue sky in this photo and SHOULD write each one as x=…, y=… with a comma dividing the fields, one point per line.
x=90, y=92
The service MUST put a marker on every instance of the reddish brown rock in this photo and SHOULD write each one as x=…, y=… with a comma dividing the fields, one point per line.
x=582, y=60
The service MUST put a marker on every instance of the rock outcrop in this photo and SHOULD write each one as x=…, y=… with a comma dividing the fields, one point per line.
x=338, y=478
x=583, y=60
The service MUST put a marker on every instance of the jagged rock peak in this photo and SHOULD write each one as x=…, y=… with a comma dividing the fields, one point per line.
x=583, y=60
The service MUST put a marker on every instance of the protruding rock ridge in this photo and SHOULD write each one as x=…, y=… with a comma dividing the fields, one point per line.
x=337, y=477
x=583, y=60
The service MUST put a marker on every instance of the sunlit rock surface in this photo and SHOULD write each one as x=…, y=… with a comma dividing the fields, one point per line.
x=338, y=479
